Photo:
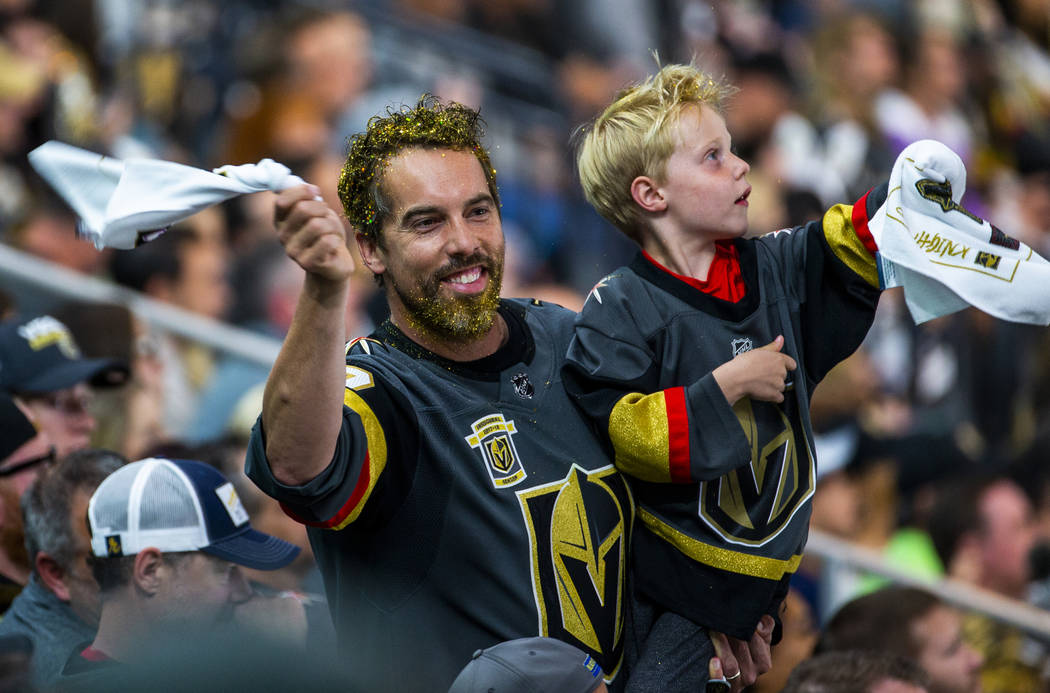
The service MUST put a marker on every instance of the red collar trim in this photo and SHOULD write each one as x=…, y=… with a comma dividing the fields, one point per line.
x=724, y=279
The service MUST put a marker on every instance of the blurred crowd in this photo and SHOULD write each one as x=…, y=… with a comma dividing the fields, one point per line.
x=931, y=439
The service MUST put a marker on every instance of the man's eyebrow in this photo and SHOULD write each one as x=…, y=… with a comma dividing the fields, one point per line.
x=480, y=197
x=423, y=210
x=413, y=212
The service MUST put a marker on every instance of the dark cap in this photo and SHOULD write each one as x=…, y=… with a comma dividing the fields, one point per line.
x=39, y=355
x=529, y=665
x=15, y=428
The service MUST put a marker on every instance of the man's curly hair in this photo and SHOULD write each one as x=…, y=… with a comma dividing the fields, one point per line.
x=431, y=124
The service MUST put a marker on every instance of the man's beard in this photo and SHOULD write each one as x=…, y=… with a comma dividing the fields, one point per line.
x=458, y=318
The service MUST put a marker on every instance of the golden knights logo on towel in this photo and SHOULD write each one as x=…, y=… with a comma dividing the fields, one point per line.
x=580, y=528
x=493, y=437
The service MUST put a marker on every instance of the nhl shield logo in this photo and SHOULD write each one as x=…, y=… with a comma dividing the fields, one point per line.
x=741, y=345
x=493, y=436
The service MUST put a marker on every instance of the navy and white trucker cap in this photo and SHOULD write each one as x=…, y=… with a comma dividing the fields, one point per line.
x=174, y=506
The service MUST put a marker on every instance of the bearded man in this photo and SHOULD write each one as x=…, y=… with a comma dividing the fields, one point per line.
x=454, y=497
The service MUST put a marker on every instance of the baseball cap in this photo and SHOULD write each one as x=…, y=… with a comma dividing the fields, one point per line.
x=178, y=505
x=529, y=665
x=15, y=428
x=39, y=355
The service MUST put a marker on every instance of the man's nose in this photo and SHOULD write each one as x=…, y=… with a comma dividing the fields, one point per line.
x=460, y=238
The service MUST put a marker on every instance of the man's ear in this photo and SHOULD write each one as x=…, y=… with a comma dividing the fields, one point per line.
x=52, y=575
x=371, y=253
x=647, y=194
x=150, y=571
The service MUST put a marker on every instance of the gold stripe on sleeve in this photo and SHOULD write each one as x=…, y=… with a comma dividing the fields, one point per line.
x=376, y=443
x=847, y=246
x=639, y=434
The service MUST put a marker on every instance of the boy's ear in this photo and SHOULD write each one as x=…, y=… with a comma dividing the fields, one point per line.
x=647, y=194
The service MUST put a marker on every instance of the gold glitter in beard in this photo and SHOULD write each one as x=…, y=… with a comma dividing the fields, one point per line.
x=455, y=319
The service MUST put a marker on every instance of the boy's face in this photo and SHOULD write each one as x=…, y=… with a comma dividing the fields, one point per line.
x=704, y=183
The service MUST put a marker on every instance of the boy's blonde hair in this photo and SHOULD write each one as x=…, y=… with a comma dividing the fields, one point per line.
x=634, y=137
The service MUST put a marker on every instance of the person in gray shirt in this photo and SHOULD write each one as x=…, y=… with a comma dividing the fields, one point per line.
x=58, y=608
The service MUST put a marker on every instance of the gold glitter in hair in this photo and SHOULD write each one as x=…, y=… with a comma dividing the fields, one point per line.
x=431, y=124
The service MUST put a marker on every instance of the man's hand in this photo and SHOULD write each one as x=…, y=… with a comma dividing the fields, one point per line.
x=758, y=374
x=743, y=662
x=313, y=234
x=282, y=616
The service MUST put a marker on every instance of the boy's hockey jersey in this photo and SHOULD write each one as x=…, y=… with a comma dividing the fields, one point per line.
x=723, y=492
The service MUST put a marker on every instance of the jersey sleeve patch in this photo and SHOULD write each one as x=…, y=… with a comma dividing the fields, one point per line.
x=650, y=436
x=847, y=245
x=371, y=470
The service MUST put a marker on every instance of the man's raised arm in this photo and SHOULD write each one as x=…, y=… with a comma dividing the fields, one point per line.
x=303, y=401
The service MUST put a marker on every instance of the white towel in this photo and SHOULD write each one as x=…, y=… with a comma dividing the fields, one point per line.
x=123, y=204
x=943, y=256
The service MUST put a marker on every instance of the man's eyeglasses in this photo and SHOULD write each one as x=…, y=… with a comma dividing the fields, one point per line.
x=46, y=458
x=68, y=402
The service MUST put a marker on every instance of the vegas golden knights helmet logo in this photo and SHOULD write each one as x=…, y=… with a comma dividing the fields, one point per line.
x=752, y=504
x=493, y=437
x=580, y=528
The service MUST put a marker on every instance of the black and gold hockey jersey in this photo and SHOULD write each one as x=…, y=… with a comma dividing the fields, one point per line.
x=723, y=492
x=466, y=504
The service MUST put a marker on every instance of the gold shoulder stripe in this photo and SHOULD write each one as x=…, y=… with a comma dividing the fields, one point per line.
x=376, y=460
x=717, y=557
x=847, y=246
x=639, y=434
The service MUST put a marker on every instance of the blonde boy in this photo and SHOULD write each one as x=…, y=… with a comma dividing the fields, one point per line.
x=696, y=363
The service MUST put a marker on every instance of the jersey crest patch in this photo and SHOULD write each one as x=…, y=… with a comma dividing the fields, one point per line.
x=753, y=504
x=522, y=387
x=579, y=528
x=493, y=437
x=742, y=345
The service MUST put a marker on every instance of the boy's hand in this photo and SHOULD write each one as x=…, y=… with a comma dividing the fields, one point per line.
x=758, y=374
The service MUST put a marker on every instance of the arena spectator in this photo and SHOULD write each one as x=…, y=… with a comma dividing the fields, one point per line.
x=186, y=268
x=857, y=671
x=983, y=529
x=167, y=540
x=23, y=452
x=908, y=622
x=41, y=364
x=58, y=609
